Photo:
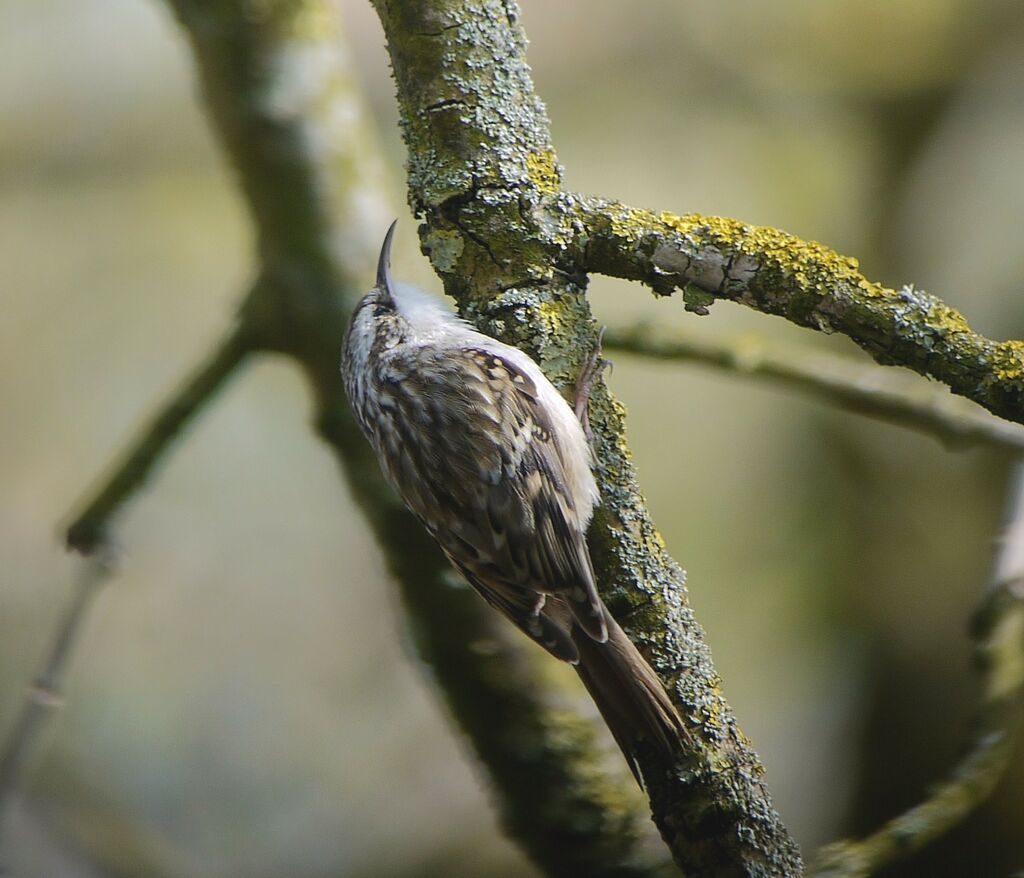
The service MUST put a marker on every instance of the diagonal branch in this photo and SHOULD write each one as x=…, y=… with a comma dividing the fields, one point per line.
x=277, y=88
x=89, y=531
x=484, y=176
x=999, y=650
x=864, y=389
x=711, y=258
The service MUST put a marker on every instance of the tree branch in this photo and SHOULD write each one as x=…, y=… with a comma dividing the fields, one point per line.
x=484, y=176
x=89, y=534
x=711, y=258
x=999, y=650
x=89, y=531
x=276, y=88
x=838, y=381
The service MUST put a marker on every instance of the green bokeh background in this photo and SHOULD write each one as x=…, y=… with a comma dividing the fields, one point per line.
x=243, y=701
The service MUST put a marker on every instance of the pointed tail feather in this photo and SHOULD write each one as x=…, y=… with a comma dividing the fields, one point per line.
x=628, y=693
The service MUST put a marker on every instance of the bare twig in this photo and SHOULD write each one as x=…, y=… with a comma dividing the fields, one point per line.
x=89, y=529
x=999, y=648
x=44, y=694
x=865, y=389
x=89, y=534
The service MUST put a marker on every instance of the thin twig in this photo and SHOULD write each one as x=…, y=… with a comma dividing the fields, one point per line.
x=999, y=648
x=88, y=534
x=43, y=695
x=90, y=527
x=864, y=389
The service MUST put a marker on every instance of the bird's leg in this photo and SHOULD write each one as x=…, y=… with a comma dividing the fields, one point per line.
x=588, y=377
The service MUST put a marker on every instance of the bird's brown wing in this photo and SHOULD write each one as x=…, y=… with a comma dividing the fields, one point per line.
x=473, y=452
x=531, y=615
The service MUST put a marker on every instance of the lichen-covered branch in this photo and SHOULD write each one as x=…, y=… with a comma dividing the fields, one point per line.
x=711, y=258
x=999, y=649
x=285, y=107
x=483, y=174
x=860, y=388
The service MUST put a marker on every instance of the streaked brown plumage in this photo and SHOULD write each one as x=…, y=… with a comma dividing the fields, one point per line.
x=488, y=455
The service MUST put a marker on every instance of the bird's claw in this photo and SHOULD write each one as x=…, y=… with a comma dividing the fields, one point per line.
x=588, y=377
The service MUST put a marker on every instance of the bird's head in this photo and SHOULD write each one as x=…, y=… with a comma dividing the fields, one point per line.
x=393, y=314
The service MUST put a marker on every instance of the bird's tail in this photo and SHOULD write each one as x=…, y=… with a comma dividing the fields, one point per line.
x=628, y=693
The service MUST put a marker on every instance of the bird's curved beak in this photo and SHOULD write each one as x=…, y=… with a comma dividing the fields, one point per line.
x=384, y=262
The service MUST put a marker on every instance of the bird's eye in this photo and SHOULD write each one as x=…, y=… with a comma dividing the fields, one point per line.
x=380, y=309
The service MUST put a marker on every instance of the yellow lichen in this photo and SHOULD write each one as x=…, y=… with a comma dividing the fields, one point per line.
x=542, y=170
x=551, y=312
x=948, y=319
x=629, y=223
x=811, y=264
x=1009, y=362
x=724, y=229
x=655, y=542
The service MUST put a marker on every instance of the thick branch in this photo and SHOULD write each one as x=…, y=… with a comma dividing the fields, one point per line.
x=711, y=258
x=999, y=649
x=485, y=178
x=864, y=389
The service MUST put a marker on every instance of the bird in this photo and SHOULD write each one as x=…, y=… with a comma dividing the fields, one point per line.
x=496, y=465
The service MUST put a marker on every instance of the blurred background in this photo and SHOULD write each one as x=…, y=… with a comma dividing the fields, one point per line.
x=242, y=701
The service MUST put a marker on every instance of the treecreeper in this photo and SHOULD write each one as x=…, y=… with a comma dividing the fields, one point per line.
x=496, y=464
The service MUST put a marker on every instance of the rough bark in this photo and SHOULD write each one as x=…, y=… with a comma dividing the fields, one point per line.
x=484, y=176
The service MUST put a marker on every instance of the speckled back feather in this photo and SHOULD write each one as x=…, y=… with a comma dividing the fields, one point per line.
x=466, y=436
